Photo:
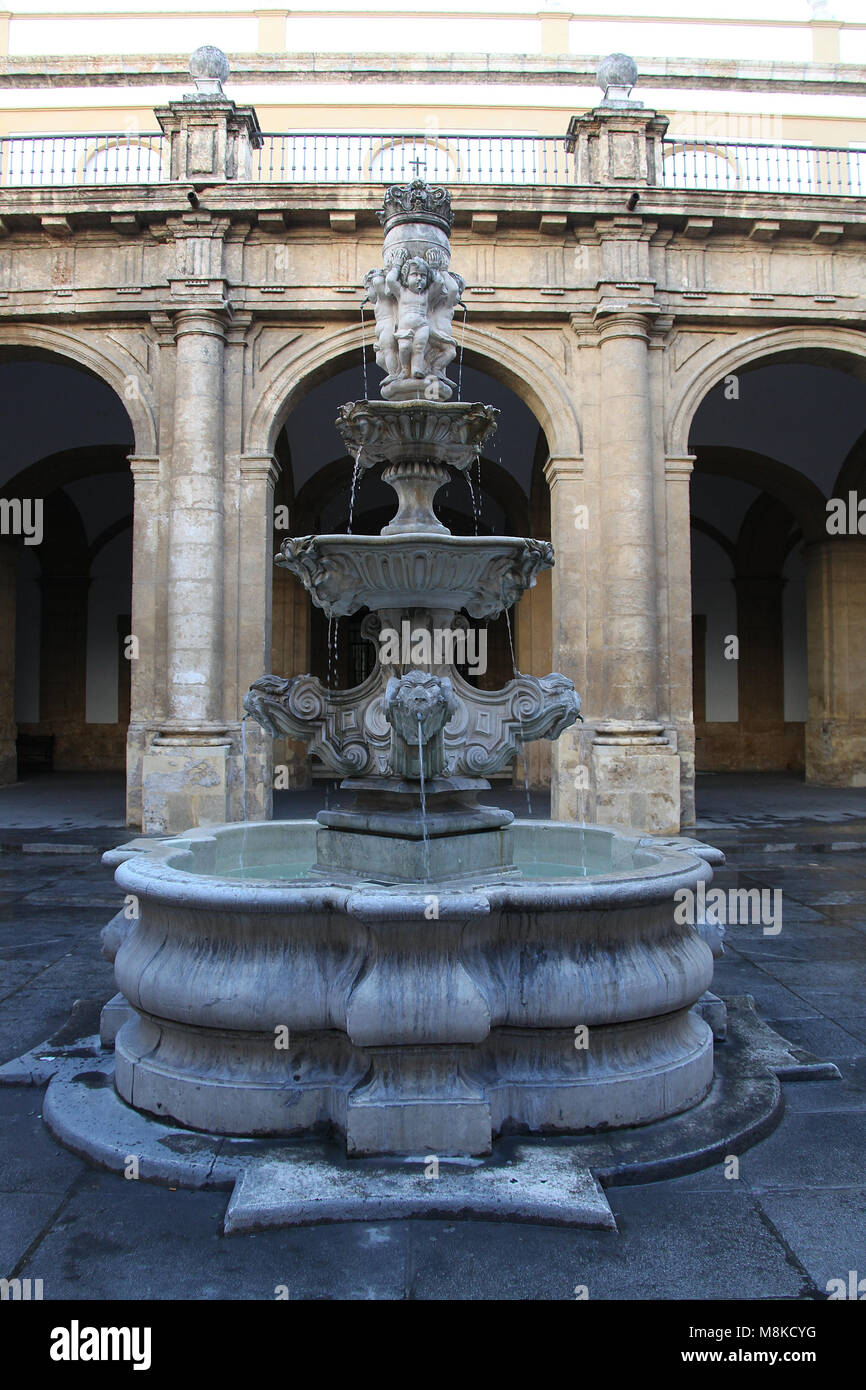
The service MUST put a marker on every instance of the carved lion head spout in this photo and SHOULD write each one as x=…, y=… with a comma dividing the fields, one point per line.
x=418, y=706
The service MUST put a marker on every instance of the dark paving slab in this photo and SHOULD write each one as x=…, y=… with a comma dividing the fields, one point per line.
x=131, y=1240
x=823, y=1036
x=847, y=1094
x=668, y=1247
x=30, y=1160
x=826, y=1231
x=810, y=1151
x=26, y=1217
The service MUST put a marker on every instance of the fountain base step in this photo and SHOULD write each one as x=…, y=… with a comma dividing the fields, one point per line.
x=446, y=1099
x=557, y=1180
x=544, y=1186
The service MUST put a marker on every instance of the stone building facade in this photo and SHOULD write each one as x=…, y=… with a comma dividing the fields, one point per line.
x=614, y=308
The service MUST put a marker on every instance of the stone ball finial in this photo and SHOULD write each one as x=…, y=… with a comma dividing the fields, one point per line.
x=616, y=75
x=208, y=68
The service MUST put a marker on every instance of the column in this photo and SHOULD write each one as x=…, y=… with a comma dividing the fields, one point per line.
x=678, y=473
x=761, y=669
x=186, y=768
x=836, y=625
x=635, y=769
x=63, y=664
x=195, y=655
x=146, y=662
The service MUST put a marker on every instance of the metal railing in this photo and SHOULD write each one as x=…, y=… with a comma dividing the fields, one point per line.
x=383, y=159
x=739, y=167
x=507, y=160
x=37, y=161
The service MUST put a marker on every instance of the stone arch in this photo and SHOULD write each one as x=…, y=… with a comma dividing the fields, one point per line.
x=718, y=537
x=81, y=352
x=794, y=490
x=543, y=391
x=852, y=474
x=764, y=537
x=820, y=345
x=67, y=466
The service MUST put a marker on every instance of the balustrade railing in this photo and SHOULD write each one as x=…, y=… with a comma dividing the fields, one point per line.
x=746, y=167
x=383, y=159
x=35, y=161
x=505, y=160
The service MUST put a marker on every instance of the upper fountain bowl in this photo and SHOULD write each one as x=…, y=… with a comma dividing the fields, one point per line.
x=437, y=432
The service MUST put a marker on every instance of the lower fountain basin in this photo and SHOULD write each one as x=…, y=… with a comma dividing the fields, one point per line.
x=411, y=1019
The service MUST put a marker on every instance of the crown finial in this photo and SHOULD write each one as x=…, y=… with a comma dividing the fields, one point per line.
x=416, y=202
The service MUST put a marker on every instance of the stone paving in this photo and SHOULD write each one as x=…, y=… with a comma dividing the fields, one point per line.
x=795, y=1217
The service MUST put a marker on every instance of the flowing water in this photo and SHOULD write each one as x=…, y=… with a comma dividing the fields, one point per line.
x=460, y=359
x=333, y=637
x=423, y=803
x=472, y=495
x=356, y=473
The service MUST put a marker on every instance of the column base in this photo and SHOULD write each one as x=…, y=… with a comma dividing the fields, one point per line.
x=185, y=782
x=635, y=777
x=836, y=752
x=8, y=760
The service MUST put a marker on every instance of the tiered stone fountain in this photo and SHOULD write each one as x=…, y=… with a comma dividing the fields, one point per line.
x=414, y=974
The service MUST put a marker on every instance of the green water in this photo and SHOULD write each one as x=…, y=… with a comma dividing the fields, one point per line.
x=279, y=871
x=546, y=868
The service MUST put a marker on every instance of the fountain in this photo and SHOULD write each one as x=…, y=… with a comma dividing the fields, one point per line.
x=419, y=976
x=430, y=959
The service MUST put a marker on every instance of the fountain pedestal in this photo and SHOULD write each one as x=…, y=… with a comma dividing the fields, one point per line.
x=390, y=835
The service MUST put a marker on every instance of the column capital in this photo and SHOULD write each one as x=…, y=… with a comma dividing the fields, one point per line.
x=144, y=467
x=626, y=319
x=563, y=470
x=263, y=466
x=212, y=320
x=680, y=465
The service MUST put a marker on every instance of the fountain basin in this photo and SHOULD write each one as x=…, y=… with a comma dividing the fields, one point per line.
x=483, y=574
x=425, y=431
x=414, y=1019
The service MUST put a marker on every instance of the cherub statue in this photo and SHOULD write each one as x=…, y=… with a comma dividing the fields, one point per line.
x=385, y=312
x=442, y=343
x=411, y=284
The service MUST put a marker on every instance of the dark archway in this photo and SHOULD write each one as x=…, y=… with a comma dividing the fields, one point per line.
x=66, y=592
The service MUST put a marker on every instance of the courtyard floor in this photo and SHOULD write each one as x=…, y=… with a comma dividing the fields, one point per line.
x=794, y=1219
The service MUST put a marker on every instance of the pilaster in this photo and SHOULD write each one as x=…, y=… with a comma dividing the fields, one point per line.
x=836, y=619
x=568, y=528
